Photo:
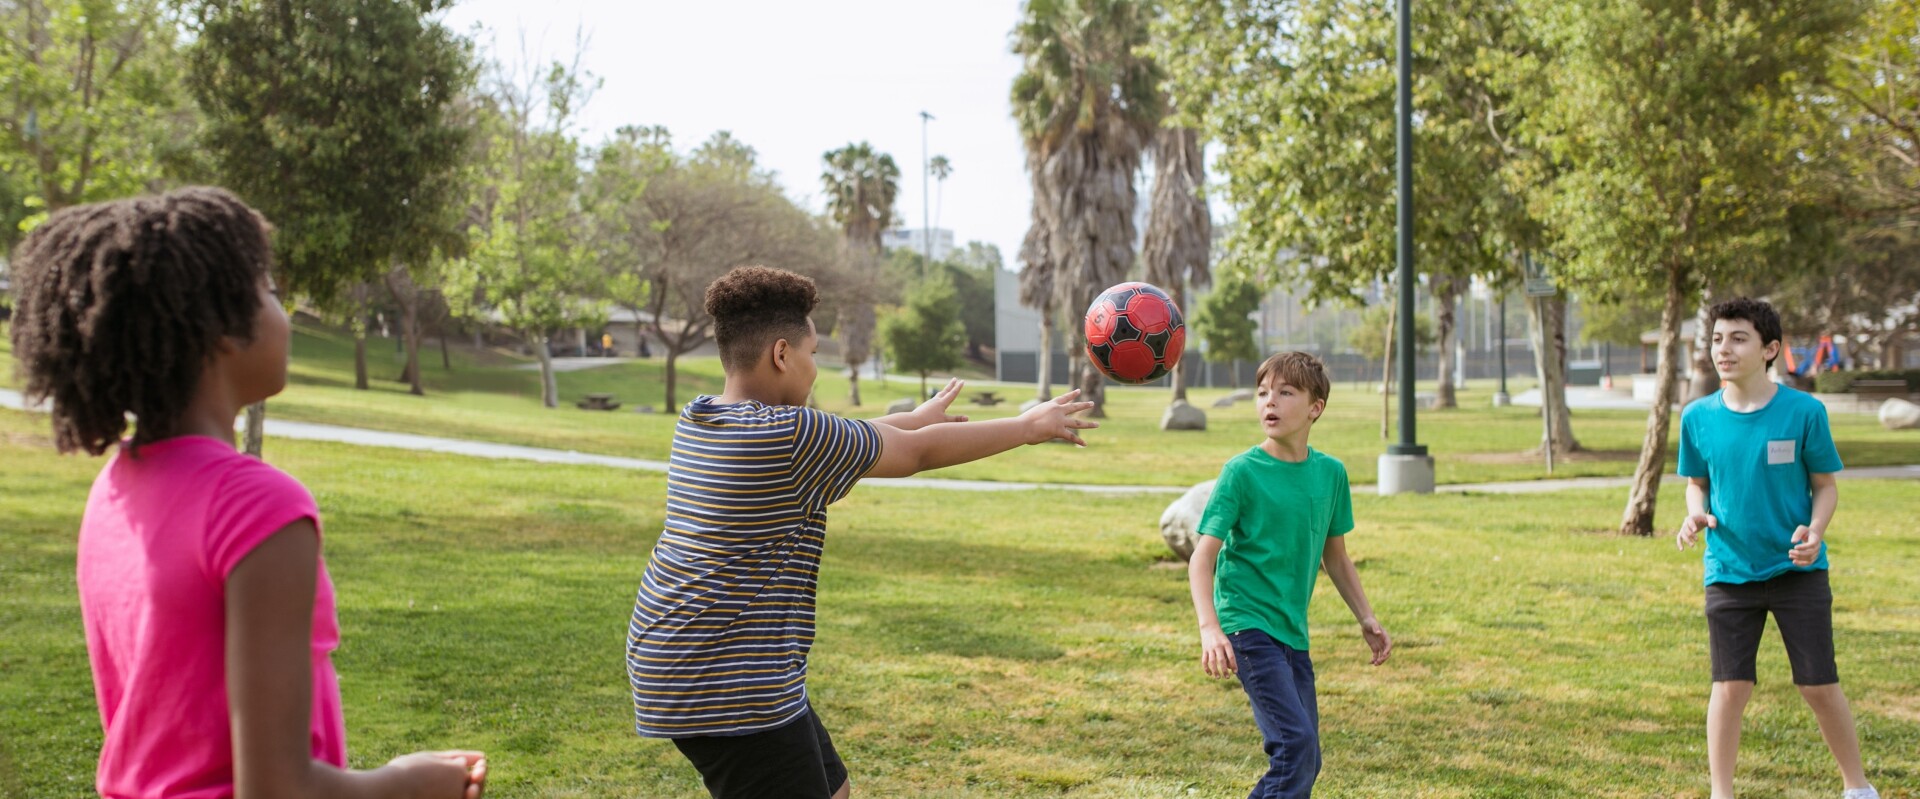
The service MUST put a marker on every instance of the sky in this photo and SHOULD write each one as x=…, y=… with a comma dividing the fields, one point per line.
x=796, y=79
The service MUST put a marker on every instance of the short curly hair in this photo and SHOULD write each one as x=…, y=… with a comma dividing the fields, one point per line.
x=120, y=304
x=1759, y=313
x=754, y=306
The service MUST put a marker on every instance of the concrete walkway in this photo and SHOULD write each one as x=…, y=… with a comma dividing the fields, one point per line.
x=279, y=428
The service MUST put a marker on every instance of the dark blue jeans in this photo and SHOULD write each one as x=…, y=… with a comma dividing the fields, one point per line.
x=1279, y=684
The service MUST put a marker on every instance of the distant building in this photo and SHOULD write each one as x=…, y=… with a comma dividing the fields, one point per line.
x=915, y=240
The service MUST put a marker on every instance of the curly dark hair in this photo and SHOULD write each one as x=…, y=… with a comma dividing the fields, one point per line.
x=1760, y=313
x=120, y=304
x=753, y=306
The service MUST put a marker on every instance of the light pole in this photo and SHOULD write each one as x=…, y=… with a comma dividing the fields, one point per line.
x=926, y=177
x=1501, y=398
x=1406, y=467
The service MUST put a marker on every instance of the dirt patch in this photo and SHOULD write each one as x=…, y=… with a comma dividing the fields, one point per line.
x=1533, y=456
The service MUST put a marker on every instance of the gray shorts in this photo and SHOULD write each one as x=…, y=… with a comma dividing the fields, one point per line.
x=1802, y=607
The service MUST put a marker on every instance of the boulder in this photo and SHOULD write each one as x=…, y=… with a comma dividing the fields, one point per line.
x=902, y=405
x=1237, y=396
x=1899, y=414
x=1180, y=524
x=1182, y=416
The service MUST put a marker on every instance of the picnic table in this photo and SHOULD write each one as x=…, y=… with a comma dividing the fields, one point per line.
x=598, y=402
x=987, y=399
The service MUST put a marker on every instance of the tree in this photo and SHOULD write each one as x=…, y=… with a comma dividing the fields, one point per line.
x=527, y=263
x=1087, y=100
x=941, y=169
x=926, y=336
x=1301, y=95
x=1224, y=325
x=335, y=118
x=1036, y=283
x=93, y=107
x=1179, y=240
x=861, y=185
x=1369, y=337
x=1679, y=149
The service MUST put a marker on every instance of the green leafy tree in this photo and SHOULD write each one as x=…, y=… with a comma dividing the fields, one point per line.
x=1300, y=93
x=337, y=119
x=1679, y=147
x=1087, y=100
x=93, y=107
x=926, y=335
x=529, y=264
x=861, y=185
x=1369, y=337
x=1224, y=325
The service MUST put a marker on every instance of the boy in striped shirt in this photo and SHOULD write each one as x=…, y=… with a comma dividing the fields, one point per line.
x=717, y=648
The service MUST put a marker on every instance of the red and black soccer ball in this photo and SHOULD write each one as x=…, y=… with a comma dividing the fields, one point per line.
x=1135, y=333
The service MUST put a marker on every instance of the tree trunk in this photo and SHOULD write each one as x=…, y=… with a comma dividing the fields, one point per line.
x=1179, y=376
x=256, y=428
x=1638, y=519
x=673, y=357
x=446, y=359
x=1386, y=368
x=1547, y=331
x=1445, y=301
x=1706, y=379
x=359, y=326
x=853, y=385
x=549, y=387
x=1046, y=357
x=924, y=396
x=407, y=296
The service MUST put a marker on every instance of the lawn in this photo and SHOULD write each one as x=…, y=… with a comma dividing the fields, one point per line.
x=489, y=396
x=1027, y=644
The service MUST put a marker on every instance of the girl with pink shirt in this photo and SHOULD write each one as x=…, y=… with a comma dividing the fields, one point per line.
x=209, y=613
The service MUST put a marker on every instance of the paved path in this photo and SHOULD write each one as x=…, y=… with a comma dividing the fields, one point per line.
x=280, y=428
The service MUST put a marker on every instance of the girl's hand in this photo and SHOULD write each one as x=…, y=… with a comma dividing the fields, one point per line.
x=440, y=775
x=1054, y=420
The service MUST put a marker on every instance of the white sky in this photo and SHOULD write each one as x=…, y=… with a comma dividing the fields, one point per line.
x=796, y=79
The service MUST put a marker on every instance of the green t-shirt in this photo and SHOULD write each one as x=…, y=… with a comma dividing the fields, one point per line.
x=1274, y=518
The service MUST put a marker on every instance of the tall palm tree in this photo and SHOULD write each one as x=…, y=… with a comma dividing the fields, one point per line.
x=1179, y=228
x=861, y=185
x=1087, y=102
x=941, y=168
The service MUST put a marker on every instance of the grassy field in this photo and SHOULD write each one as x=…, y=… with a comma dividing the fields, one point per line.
x=485, y=397
x=1029, y=644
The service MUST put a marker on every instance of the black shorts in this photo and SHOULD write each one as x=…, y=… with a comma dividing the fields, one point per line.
x=792, y=761
x=1802, y=607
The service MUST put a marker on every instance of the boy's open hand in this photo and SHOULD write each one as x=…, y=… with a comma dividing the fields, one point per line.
x=1691, y=527
x=934, y=411
x=1216, y=653
x=1377, y=639
x=1806, y=546
x=1054, y=420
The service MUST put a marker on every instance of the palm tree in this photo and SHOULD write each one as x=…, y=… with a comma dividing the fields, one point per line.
x=1087, y=102
x=940, y=167
x=1179, y=229
x=861, y=185
x=1036, y=289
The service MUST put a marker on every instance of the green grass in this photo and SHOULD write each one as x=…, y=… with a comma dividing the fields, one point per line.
x=485, y=397
x=1029, y=644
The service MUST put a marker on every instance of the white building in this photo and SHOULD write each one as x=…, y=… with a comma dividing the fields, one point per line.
x=916, y=240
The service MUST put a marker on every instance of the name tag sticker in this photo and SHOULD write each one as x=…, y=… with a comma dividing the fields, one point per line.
x=1779, y=452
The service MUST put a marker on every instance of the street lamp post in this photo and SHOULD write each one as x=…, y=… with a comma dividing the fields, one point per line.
x=926, y=177
x=1406, y=467
x=1501, y=398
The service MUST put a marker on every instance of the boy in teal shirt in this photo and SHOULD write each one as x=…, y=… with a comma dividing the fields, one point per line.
x=1760, y=462
x=1277, y=515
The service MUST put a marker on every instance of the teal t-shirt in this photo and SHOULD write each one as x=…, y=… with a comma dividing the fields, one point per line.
x=1274, y=518
x=1757, y=465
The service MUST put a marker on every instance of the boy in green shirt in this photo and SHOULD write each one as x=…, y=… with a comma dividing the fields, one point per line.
x=1278, y=513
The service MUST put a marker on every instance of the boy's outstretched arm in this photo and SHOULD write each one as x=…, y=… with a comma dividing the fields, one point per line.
x=1346, y=578
x=1216, y=652
x=931, y=412
x=909, y=452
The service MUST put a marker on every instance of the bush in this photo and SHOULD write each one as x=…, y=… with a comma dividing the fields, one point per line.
x=1842, y=382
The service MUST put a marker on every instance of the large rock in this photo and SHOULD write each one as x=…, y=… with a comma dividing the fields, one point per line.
x=1899, y=414
x=901, y=406
x=1237, y=396
x=1182, y=416
x=1180, y=524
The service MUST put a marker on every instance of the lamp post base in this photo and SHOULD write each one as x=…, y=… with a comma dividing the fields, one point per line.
x=1406, y=474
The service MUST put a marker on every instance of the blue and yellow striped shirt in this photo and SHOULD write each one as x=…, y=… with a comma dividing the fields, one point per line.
x=724, y=618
